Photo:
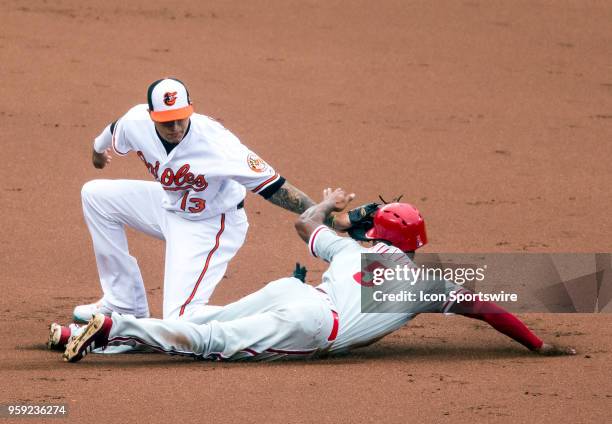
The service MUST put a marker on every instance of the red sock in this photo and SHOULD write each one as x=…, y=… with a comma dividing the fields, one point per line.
x=500, y=319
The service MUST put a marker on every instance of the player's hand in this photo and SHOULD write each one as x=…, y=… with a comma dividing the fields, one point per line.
x=100, y=160
x=548, y=349
x=300, y=272
x=338, y=198
x=341, y=222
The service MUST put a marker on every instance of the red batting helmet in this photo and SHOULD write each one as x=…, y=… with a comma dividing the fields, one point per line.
x=400, y=224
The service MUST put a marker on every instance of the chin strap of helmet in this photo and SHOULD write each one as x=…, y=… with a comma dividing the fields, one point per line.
x=395, y=199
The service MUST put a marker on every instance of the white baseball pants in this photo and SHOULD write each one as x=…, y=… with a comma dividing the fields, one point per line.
x=197, y=252
x=285, y=318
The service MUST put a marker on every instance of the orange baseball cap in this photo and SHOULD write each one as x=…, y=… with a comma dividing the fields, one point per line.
x=169, y=100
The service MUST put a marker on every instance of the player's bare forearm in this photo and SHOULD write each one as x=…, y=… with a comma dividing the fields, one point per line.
x=292, y=199
x=320, y=213
x=312, y=218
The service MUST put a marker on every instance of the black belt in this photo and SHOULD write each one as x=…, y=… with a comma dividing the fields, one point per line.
x=240, y=205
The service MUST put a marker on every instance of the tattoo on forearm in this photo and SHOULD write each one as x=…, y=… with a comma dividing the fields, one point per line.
x=290, y=198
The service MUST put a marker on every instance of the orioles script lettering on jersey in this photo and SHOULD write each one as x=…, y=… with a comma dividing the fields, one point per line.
x=153, y=170
x=182, y=180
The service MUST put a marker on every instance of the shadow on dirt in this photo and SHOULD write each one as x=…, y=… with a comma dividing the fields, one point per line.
x=381, y=352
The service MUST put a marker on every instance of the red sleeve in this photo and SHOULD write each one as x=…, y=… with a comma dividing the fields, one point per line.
x=500, y=319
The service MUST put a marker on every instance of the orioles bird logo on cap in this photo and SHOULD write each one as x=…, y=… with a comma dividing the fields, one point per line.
x=170, y=98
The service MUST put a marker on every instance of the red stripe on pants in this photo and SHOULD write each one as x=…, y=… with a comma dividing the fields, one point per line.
x=213, y=250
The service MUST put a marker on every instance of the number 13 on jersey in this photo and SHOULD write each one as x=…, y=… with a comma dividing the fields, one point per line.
x=198, y=204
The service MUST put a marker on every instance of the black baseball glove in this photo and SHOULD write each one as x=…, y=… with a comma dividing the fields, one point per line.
x=362, y=219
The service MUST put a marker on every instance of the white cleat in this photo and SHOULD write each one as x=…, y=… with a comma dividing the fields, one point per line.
x=83, y=313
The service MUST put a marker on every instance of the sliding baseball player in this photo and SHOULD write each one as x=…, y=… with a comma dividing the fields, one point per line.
x=289, y=318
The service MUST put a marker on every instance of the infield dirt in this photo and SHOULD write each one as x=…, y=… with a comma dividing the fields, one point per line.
x=494, y=117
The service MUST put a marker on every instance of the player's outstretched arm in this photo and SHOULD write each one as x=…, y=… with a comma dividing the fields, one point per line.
x=316, y=215
x=291, y=198
x=508, y=324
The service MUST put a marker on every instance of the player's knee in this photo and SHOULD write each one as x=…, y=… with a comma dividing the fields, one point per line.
x=91, y=189
x=97, y=192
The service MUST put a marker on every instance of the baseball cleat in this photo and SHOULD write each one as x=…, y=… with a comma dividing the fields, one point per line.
x=59, y=335
x=83, y=313
x=94, y=336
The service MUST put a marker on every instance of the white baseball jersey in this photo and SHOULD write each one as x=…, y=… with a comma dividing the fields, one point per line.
x=342, y=281
x=204, y=175
x=195, y=206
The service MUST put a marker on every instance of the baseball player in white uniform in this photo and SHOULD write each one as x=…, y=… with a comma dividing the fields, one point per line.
x=195, y=204
x=289, y=318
